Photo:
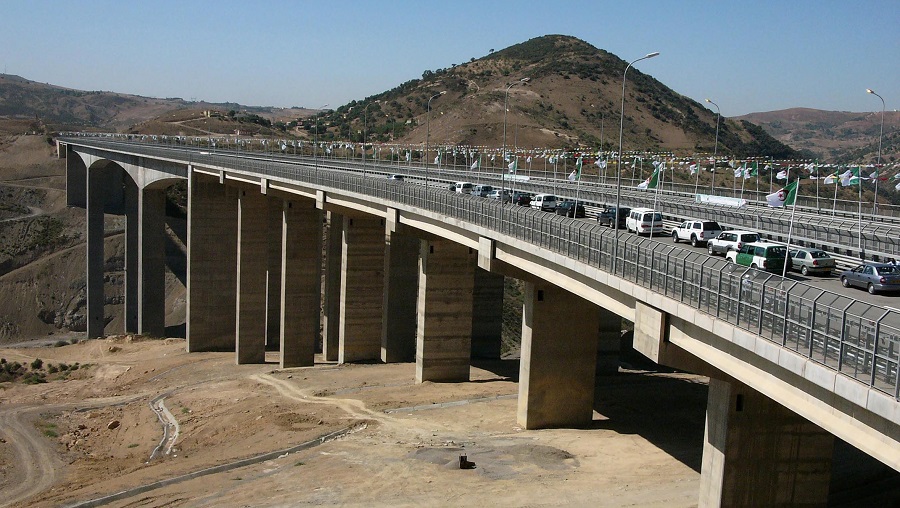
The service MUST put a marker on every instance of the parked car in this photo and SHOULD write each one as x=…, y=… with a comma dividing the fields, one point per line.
x=482, y=190
x=607, y=216
x=873, y=277
x=569, y=209
x=496, y=193
x=544, y=202
x=463, y=187
x=761, y=255
x=730, y=240
x=696, y=231
x=395, y=177
x=522, y=198
x=809, y=260
x=644, y=221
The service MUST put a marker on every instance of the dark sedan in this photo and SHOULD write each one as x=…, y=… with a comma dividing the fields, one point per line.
x=607, y=216
x=569, y=209
x=522, y=198
x=873, y=277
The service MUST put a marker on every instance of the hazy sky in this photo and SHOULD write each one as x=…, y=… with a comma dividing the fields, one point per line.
x=747, y=56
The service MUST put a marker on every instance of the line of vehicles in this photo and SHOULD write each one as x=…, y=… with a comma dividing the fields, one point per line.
x=741, y=247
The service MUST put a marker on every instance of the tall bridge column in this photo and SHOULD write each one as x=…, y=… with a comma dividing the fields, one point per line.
x=132, y=257
x=99, y=182
x=76, y=179
x=273, y=273
x=487, y=314
x=151, y=319
x=398, y=337
x=758, y=453
x=608, y=342
x=559, y=350
x=331, y=315
x=362, y=289
x=444, y=329
x=301, y=285
x=252, y=263
x=212, y=260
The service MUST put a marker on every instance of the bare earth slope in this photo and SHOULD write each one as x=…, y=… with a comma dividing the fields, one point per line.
x=93, y=434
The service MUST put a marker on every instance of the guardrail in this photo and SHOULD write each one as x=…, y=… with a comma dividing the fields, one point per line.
x=857, y=339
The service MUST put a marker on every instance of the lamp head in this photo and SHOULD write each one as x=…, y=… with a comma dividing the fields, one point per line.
x=869, y=90
x=651, y=55
x=707, y=100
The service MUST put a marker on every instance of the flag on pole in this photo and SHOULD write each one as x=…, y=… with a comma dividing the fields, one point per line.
x=514, y=165
x=576, y=173
x=832, y=178
x=785, y=196
x=474, y=164
x=653, y=180
x=782, y=175
x=693, y=168
x=600, y=163
x=751, y=170
x=850, y=177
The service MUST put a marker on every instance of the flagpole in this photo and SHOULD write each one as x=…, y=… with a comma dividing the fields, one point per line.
x=862, y=254
x=656, y=198
x=787, y=252
x=834, y=202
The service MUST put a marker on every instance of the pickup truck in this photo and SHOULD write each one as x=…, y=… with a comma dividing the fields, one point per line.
x=696, y=231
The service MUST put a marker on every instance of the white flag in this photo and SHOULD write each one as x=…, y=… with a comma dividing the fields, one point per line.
x=513, y=166
x=474, y=164
x=782, y=175
x=601, y=164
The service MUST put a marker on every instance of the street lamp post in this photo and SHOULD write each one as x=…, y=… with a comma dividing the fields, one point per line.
x=428, y=131
x=505, y=108
x=880, y=135
x=365, y=133
x=715, y=150
x=619, y=162
x=316, y=141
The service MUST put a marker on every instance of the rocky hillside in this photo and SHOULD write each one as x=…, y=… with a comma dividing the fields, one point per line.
x=833, y=136
x=573, y=98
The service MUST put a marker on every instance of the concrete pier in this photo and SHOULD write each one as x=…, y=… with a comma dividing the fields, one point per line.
x=401, y=279
x=362, y=288
x=212, y=264
x=444, y=329
x=152, y=263
x=559, y=350
x=331, y=315
x=758, y=453
x=487, y=314
x=99, y=182
x=273, y=273
x=301, y=283
x=252, y=263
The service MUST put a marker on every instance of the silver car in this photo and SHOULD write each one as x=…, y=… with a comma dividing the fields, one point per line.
x=809, y=260
x=873, y=277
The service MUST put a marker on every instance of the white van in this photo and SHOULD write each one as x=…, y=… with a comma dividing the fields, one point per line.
x=464, y=187
x=644, y=221
x=544, y=202
x=482, y=190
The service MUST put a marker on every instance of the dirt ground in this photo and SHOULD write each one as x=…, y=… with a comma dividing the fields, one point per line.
x=92, y=434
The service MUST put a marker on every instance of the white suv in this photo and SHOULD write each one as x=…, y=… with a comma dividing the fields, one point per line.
x=696, y=231
x=730, y=240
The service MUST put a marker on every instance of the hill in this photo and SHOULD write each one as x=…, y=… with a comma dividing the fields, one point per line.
x=573, y=98
x=31, y=106
x=833, y=136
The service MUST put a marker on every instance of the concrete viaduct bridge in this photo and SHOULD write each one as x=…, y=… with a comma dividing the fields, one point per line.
x=415, y=272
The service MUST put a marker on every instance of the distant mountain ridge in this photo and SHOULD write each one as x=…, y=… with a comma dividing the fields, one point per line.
x=60, y=108
x=833, y=136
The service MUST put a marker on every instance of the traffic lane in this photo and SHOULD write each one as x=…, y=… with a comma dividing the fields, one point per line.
x=830, y=283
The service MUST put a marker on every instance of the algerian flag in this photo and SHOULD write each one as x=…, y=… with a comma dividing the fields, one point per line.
x=437, y=159
x=693, y=168
x=514, y=165
x=751, y=170
x=528, y=160
x=408, y=155
x=738, y=172
x=576, y=173
x=782, y=175
x=832, y=178
x=475, y=164
x=785, y=196
x=650, y=183
x=850, y=177
x=600, y=163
